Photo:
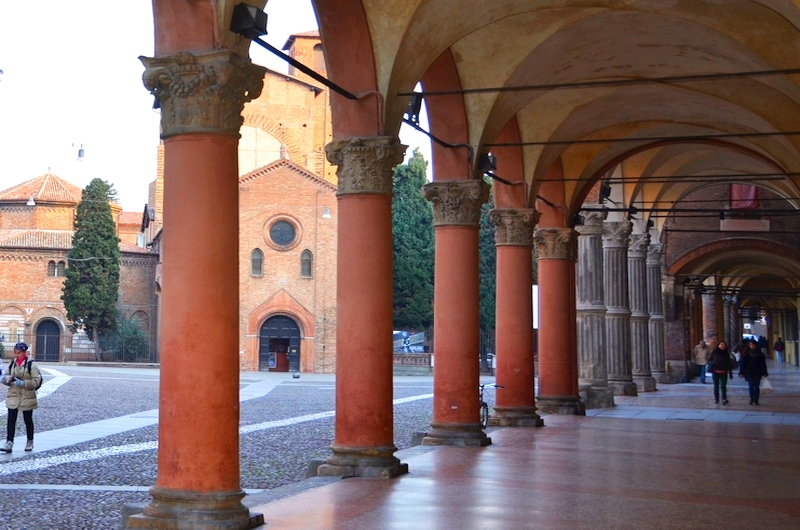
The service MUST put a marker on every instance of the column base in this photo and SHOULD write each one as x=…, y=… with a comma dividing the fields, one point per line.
x=645, y=383
x=173, y=509
x=458, y=434
x=661, y=377
x=561, y=405
x=371, y=462
x=596, y=397
x=515, y=417
x=623, y=388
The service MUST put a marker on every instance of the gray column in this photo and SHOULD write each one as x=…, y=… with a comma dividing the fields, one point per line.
x=591, y=314
x=655, y=305
x=727, y=331
x=640, y=316
x=618, y=315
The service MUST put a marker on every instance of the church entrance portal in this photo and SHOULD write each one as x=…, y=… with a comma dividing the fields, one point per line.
x=279, y=345
x=48, y=338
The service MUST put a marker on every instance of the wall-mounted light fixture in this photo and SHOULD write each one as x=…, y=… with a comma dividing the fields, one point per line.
x=326, y=213
x=414, y=108
x=30, y=202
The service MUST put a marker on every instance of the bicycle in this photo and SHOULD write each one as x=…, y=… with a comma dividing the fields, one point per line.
x=485, y=406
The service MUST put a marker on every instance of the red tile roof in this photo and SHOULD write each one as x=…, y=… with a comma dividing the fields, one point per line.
x=45, y=188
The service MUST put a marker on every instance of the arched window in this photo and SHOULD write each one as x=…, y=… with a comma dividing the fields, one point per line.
x=61, y=268
x=51, y=269
x=319, y=58
x=257, y=263
x=306, y=262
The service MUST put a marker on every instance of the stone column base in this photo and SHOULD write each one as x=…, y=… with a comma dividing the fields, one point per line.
x=459, y=434
x=623, y=388
x=661, y=377
x=515, y=417
x=645, y=383
x=180, y=509
x=596, y=397
x=561, y=405
x=371, y=462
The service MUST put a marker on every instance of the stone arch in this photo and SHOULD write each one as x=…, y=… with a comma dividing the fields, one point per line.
x=268, y=125
x=696, y=255
x=281, y=303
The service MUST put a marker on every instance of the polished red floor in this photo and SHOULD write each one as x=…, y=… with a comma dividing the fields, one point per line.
x=736, y=468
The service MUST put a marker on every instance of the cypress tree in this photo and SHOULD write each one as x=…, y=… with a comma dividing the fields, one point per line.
x=487, y=265
x=91, y=286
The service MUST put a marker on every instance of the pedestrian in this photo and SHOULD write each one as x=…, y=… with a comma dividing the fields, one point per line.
x=753, y=367
x=762, y=343
x=721, y=365
x=701, y=358
x=779, y=346
x=22, y=380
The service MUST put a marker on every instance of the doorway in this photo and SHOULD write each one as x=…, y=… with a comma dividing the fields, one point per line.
x=279, y=345
x=48, y=341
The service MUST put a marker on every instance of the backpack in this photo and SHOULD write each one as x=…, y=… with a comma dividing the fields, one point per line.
x=28, y=363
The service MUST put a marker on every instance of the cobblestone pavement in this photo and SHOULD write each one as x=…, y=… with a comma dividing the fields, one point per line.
x=84, y=486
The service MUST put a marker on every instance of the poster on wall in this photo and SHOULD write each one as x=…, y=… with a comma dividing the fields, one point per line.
x=272, y=362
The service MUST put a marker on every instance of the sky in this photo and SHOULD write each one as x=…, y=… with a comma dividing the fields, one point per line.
x=61, y=90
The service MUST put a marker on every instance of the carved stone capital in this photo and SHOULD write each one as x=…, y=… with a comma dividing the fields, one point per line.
x=616, y=233
x=513, y=227
x=556, y=243
x=654, y=252
x=202, y=93
x=456, y=202
x=364, y=165
x=638, y=245
x=592, y=222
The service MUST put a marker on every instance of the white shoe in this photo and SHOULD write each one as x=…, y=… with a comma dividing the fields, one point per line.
x=7, y=447
x=29, y=445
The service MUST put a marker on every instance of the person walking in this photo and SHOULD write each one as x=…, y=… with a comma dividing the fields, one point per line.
x=721, y=367
x=779, y=346
x=752, y=368
x=22, y=380
x=701, y=359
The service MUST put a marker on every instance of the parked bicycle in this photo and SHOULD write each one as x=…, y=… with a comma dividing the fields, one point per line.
x=485, y=406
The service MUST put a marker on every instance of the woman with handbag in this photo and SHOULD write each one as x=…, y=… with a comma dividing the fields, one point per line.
x=719, y=362
x=753, y=367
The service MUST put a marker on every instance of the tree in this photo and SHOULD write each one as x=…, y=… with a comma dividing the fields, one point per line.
x=413, y=245
x=487, y=265
x=91, y=286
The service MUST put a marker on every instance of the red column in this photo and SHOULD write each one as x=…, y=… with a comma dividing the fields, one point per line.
x=514, y=403
x=456, y=371
x=558, y=355
x=363, y=445
x=198, y=468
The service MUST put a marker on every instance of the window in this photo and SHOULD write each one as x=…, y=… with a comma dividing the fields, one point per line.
x=306, y=263
x=257, y=263
x=282, y=233
x=51, y=269
x=61, y=268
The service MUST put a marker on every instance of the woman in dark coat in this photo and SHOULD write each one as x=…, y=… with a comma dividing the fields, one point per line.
x=719, y=362
x=753, y=367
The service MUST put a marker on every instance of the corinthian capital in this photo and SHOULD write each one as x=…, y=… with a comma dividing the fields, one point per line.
x=364, y=165
x=513, y=227
x=638, y=245
x=616, y=233
x=654, y=253
x=592, y=222
x=556, y=243
x=456, y=202
x=202, y=93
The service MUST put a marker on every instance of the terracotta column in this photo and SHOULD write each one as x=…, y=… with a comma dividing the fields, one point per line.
x=457, y=210
x=558, y=355
x=201, y=96
x=616, y=236
x=640, y=316
x=655, y=306
x=514, y=405
x=591, y=313
x=364, y=443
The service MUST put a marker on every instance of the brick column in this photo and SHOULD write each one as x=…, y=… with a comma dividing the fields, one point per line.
x=364, y=445
x=640, y=316
x=618, y=315
x=201, y=97
x=456, y=372
x=655, y=305
x=514, y=405
x=710, y=321
x=591, y=313
x=558, y=355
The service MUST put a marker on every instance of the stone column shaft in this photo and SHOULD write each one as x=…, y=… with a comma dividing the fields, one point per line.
x=591, y=314
x=363, y=444
x=514, y=403
x=710, y=321
x=655, y=305
x=456, y=372
x=640, y=316
x=558, y=355
x=618, y=315
x=201, y=97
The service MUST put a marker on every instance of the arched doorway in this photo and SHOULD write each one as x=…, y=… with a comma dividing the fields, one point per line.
x=48, y=339
x=279, y=345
